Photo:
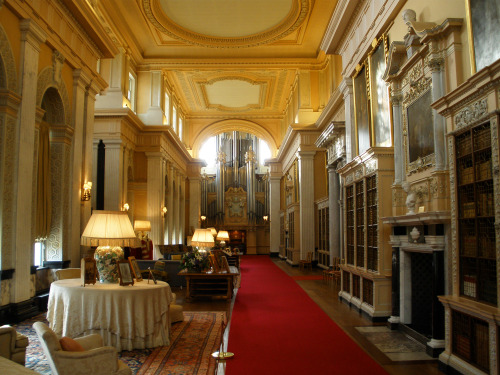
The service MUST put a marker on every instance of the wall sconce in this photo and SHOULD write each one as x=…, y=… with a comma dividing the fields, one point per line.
x=125, y=207
x=163, y=211
x=203, y=217
x=265, y=217
x=87, y=187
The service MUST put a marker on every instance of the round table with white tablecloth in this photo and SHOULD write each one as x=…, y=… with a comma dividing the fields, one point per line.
x=127, y=317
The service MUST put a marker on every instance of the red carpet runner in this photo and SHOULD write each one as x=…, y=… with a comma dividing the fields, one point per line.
x=276, y=328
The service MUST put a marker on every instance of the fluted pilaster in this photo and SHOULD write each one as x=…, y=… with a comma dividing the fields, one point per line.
x=306, y=188
x=31, y=38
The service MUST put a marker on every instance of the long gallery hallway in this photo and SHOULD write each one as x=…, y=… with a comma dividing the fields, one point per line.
x=276, y=328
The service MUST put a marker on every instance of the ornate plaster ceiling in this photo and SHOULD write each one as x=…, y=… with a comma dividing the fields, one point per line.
x=223, y=58
x=226, y=23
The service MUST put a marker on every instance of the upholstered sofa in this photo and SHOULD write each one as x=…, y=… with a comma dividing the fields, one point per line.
x=8, y=367
x=167, y=251
x=172, y=269
x=13, y=344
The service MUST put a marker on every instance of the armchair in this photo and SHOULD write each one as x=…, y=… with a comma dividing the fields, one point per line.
x=68, y=273
x=95, y=359
x=13, y=344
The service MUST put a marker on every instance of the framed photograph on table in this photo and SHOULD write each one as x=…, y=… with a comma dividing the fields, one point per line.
x=135, y=268
x=88, y=271
x=125, y=273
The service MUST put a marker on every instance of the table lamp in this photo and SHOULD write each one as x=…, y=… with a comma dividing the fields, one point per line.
x=202, y=238
x=213, y=231
x=109, y=231
x=223, y=236
x=142, y=226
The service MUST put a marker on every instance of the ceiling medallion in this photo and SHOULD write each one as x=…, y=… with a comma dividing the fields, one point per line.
x=155, y=13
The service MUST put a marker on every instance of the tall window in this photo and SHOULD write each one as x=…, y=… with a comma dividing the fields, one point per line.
x=174, y=119
x=39, y=253
x=131, y=91
x=264, y=151
x=167, y=109
x=208, y=152
x=180, y=128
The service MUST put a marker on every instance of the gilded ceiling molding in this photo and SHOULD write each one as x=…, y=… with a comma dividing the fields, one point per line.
x=232, y=125
x=263, y=84
x=154, y=13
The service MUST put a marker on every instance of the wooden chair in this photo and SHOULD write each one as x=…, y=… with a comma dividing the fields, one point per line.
x=303, y=263
x=333, y=274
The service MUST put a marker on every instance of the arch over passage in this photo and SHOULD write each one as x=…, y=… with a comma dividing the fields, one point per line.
x=232, y=125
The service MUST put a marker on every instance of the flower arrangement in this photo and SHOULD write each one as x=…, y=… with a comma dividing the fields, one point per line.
x=195, y=261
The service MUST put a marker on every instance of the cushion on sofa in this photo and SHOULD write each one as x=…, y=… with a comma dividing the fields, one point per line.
x=70, y=345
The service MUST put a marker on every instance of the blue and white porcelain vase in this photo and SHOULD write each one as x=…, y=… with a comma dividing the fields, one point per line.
x=107, y=258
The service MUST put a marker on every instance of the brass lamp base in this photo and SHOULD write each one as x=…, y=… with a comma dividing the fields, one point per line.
x=222, y=355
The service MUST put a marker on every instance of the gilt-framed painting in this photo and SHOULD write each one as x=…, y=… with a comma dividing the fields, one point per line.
x=484, y=32
x=361, y=113
x=379, y=98
x=420, y=128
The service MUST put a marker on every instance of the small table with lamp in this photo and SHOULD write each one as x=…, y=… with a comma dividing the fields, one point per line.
x=127, y=317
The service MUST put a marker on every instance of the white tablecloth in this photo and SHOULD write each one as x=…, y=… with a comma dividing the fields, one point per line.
x=127, y=317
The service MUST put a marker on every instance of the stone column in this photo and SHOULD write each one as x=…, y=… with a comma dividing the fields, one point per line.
x=399, y=165
x=88, y=153
x=436, y=344
x=334, y=212
x=31, y=38
x=175, y=213
x=350, y=126
x=170, y=203
x=393, y=321
x=438, y=90
x=306, y=186
x=113, y=167
x=274, y=210
x=80, y=84
x=405, y=287
x=250, y=159
x=182, y=233
x=220, y=185
x=194, y=203
x=177, y=206
x=154, y=198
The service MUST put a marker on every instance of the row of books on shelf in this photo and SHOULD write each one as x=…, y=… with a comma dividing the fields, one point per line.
x=482, y=140
x=470, y=285
x=485, y=206
x=483, y=172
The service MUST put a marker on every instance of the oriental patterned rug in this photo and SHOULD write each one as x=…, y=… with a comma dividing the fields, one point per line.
x=192, y=343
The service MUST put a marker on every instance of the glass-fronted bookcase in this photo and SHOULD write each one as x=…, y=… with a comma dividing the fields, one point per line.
x=472, y=308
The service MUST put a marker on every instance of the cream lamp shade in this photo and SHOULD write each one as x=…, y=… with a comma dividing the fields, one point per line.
x=109, y=228
x=223, y=235
x=202, y=238
x=213, y=231
x=142, y=226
